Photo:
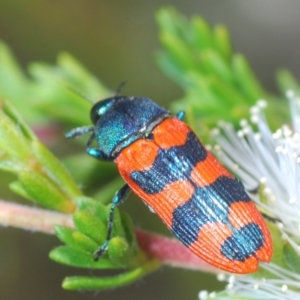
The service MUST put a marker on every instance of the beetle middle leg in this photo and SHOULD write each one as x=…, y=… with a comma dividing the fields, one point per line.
x=119, y=197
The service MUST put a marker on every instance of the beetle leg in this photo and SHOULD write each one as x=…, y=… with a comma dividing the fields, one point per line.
x=180, y=115
x=119, y=197
x=95, y=152
x=79, y=131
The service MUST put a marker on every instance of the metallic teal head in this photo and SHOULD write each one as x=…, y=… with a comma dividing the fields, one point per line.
x=120, y=120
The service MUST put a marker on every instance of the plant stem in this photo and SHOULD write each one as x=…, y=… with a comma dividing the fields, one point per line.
x=32, y=218
x=167, y=250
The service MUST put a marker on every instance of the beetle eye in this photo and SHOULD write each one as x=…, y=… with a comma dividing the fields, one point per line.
x=94, y=114
x=100, y=108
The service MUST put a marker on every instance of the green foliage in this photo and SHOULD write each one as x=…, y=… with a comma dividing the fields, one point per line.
x=51, y=92
x=218, y=83
x=59, y=86
x=123, y=252
x=94, y=283
x=287, y=81
x=40, y=177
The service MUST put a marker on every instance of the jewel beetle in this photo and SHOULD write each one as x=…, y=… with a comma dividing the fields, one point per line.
x=164, y=163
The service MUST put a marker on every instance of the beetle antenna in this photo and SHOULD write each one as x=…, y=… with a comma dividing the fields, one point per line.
x=118, y=91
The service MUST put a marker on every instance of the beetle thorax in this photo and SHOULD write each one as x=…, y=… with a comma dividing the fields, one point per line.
x=128, y=119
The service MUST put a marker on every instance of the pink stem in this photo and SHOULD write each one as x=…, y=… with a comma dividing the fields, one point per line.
x=171, y=252
x=32, y=218
x=167, y=250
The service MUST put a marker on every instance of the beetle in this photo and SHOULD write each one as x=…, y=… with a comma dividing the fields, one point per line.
x=164, y=163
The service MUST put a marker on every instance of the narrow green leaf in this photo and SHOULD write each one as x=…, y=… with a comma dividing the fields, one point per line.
x=10, y=166
x=229, y=96
x=12, y=79
x=55, y=170
x=16, y=118
x=202, y=37
x=222, y=42
x=165, y=61
x=102, y=283
x=44, y=192
x=12, y=142
x=287, y=81
x=119, y=251
x=170, y=20
x=82, y=78
x=246, y=80
x=60, y=100
x=84, y=242
x=128, y=228
x=90, y=225
x=76, y=239
x=178, y=50
x=17, y=187
x=71, y=256
x=65, y=234
x=213, y=63
x=93, y=207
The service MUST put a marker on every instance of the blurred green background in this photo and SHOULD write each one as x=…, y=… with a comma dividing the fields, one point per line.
x=116, y=40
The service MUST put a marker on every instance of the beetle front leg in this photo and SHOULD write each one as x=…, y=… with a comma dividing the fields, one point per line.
x=95, y=152
x=79, y=131
x=119, y=197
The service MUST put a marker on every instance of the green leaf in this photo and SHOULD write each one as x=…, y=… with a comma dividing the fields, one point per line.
x=92, y=207
x=287, y=81
x=65, y=234
x=71, y=256
x=90, y=225
x=222, y=42
x=55, y=170
x=18, y=188
x=102, y=283
x=42, y=191
x=12, y=140
x=226, y=86
x=41, y=177
x=119, y=251
x=13, y=81
x=246, y=79
x=76, y=239
x=80, y=77
x=129, y=231
x=61, y=88
x=84, y=242
x=202, y=38
x=178, y=51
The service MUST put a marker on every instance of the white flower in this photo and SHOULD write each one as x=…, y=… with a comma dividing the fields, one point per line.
x=271, y=162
